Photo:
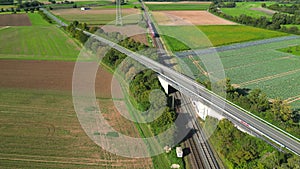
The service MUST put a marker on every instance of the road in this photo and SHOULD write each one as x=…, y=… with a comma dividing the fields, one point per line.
x=192, y=88
x=235, y=46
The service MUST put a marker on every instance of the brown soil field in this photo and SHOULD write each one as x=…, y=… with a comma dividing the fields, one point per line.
x=47, y=75
x=93, y=11
x=173, y=18
x=136, y=32
x=14, y=20
x=264, y=10
x=181, y=2
x=57, y=76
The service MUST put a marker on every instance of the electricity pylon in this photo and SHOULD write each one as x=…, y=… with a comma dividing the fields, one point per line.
x=118, y=13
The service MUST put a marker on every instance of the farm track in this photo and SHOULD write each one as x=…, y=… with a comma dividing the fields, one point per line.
x=236, y=46
x=35, y=108
x=198, y=66
x=269, y=77
x=70, y=159
x=255, y=63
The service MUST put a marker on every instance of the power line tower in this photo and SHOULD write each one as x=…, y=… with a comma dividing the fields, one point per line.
x=118, y=13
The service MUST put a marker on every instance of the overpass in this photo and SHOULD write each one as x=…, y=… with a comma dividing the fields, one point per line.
x=194, y=90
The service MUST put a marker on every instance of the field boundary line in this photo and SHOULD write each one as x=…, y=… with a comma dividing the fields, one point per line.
x=196, y=63
x=5, y=27
x=294, y=100
x=255, y=63
x=269, y=77
x=61, y=162
x=33, y=107
x=23, y=156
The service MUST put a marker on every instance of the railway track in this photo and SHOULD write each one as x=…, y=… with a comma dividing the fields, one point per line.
x=195, y=158
x=201, y=153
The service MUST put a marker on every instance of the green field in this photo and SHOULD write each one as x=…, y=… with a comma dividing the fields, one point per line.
x=295, y=50
x=90, y=19
x=41, y=41
x=179, y=6
x=37, y=20
x=99, y=19
x=245, y=8
x=217, y=35
x=264, y=67
x=288, y=26
x=7, y=6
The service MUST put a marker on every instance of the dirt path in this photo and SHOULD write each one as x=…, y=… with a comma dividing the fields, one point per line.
x=293, y=99
x=264, y=10
x=196, y=63
x=255, y=63
x=269, y=77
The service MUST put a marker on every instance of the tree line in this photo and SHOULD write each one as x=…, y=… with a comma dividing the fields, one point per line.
x=141, y=84
x=26, y=6
x=76, y=30
x=278, y=19
x=45, y=17
x=275, y=111
x=241, y=150
x=293, y=9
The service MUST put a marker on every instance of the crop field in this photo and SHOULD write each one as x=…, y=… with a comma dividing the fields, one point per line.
x=14, y=20
x=37, y=20
x=249, y=8
x=176, y=18
x=178, y=6
x=288, y=26
x=94, y=4
x=95, y=16
x=39, y=127
x=276, y=73
x=41, y=41
x=223, y=35
x=42, y=75
x=217, y=34
x=78, y=3
x=295, y=50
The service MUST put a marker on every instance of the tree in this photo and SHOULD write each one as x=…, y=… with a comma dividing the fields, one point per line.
x=281, y=109
x=294, y=162
x=258, y=100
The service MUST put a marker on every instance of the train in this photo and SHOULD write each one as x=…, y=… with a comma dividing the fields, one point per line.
x=152, y=30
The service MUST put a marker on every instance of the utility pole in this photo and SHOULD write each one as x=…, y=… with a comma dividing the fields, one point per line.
x=118, y=13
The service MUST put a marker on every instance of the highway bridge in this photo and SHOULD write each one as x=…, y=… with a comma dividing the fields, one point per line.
x=194, y=90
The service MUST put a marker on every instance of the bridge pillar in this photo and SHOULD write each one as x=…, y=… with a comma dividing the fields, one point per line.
x=204, y=110
x=164, y=84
